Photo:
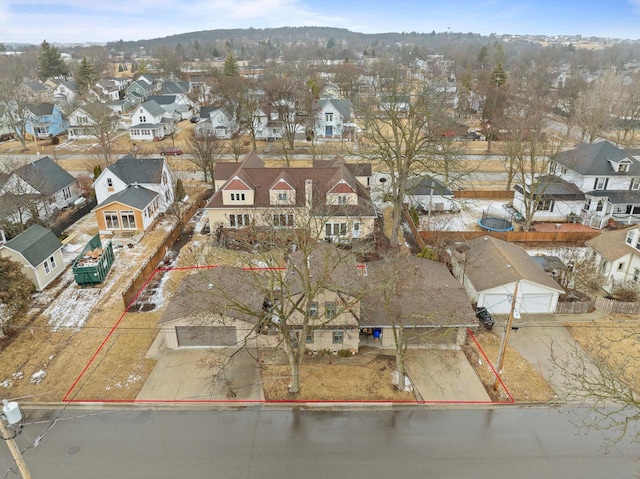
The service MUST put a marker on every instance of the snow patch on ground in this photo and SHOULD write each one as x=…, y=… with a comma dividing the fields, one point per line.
x=38, y=376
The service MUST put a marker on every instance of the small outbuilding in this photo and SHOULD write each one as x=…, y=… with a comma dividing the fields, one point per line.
x=39, y=252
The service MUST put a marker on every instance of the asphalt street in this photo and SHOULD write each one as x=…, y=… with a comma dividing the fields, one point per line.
x=265, y=443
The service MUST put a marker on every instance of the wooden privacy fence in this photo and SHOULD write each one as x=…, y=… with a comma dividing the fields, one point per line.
x=613, y=306
x=485, y=195
x=575, y=307
x=432, y=237
x=158, y=255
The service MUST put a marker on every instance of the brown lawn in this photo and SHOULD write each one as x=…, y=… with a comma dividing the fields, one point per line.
x=524, y=382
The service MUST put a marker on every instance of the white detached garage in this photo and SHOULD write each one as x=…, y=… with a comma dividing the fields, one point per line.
x=489, y=268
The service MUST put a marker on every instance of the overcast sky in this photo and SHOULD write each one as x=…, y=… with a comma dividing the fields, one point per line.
x=78, y=21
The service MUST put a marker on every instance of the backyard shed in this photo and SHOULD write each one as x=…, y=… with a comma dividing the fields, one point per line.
x=93, y=264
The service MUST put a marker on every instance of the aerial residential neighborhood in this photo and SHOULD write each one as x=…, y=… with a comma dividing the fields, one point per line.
x=307, y=216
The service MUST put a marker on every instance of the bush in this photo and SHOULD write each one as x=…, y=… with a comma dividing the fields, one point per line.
x=55, y=140
x=627, y=293
x=345, y=353
x=427, y=253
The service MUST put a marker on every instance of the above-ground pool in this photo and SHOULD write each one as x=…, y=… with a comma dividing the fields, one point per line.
x=492, y=223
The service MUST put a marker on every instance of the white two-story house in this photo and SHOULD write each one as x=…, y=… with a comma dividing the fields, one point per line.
x=333, y=118
x=149, y=122
x=594, y=183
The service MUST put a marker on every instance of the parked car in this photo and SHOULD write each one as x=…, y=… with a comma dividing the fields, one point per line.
x=171, y=151
x=484, y=317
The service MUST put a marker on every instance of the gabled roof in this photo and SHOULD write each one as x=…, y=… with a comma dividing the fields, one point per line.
x=35, y=86
x=171, y=88
x=41, y=109
x=282, y=182
x=358, y=169
x=162, y=99
x=425, y=186
x=205, y=111
x=70, y=84
x=137, y=197
x=253, y=172
x=611, y=245
x=342, y=106
x=96, y=110
x=423, y=293
x=152, y=107
x=594, y=159
x=490, y=263
x=553, y=187
x=138, y=170
x=36, y=244
x=45, y=176
x=342, y=181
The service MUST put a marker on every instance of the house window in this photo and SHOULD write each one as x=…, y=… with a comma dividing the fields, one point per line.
x=636, y=274
x=239, y=220
x=66, y=193
x=237, y=196
x=630, y=236
x=109, y=182
x=600, y=205
x=282, y=220
x=52, y=262
x=342, y=199
x=143, y=119
x=111, y=220
x=309, y=338
x=545, y=205
x=338, y=337
x=313, y=310
x=600, y=183
x=128, y=220
x=47, y=269
x=635, y=184
x=282, y=196
x=330, y=310
x=328, y=117
x=624, y=167
x=620, y=266
x=336, y=229
x=603, y=265
x=164, y=177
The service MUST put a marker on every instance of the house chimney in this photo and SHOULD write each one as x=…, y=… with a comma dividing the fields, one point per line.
x=308, y=193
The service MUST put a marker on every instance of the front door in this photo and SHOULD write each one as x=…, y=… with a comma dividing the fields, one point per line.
x=328, y=131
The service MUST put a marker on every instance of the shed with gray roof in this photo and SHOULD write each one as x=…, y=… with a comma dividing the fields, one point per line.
x=39, y=252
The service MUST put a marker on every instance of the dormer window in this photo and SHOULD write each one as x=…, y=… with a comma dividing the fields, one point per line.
x=282, y=196
x=624, y=166
x=237, y=196
x=342, y=199
x=630, y=236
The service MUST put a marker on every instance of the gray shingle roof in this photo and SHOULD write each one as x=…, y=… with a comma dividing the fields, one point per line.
x=343, y=107
x=36, y=244
x=554, y=187
x=40, y=109
x=423, y=293
x=153, y=108
x=491, y=263
x=424, y=185
x=45, y=176
x=137, y=197
x=612, y=245
x=138, y=170
x=593, y=159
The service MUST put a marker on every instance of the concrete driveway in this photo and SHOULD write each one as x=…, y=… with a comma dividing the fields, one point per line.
x=179, y=375
x=538, y=335
x=444, y=376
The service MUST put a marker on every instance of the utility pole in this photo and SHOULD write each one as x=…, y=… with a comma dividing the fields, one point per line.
x=12, y=415
x=505, y=335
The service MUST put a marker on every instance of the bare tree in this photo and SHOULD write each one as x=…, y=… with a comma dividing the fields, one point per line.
x=594, y=112
x=206, y=149
x=102, y=127
x=14, y=102
x=399, y=121
x=285, y=95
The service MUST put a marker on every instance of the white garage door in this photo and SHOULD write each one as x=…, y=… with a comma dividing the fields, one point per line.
x=211, y=336
x=536, y=303
x=497, y=303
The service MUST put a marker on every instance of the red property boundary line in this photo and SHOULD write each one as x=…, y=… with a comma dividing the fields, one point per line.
x=247, y=401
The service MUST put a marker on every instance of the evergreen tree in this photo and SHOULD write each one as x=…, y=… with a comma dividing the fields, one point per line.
x=86, y=76
x=231, y=68
x=179, y=192
x=498, y=75
x=50, y=63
